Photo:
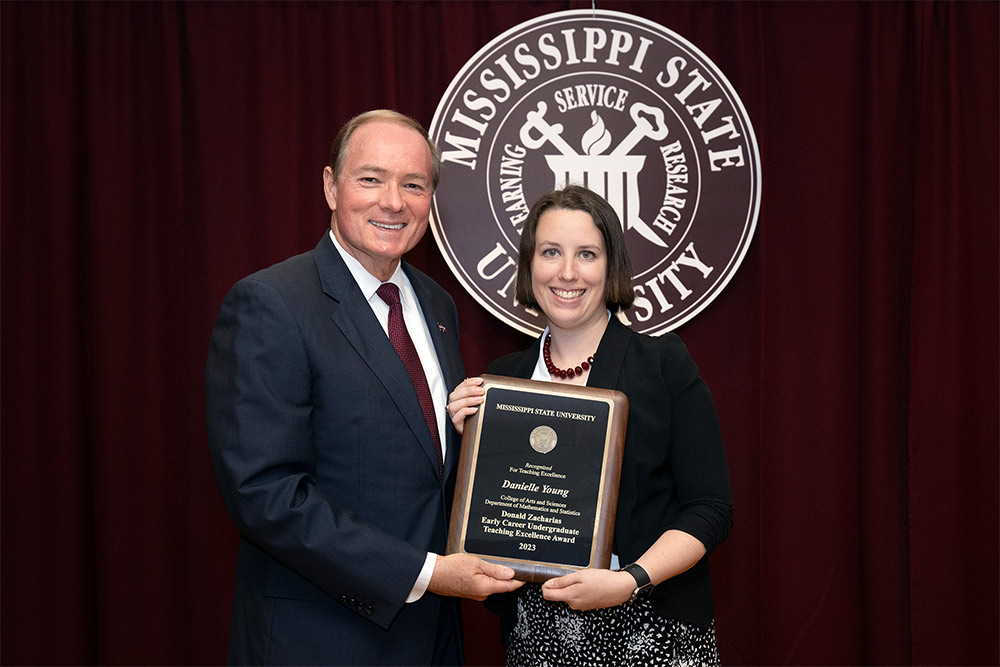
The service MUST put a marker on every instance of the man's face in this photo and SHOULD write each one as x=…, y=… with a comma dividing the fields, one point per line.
x=382, y=199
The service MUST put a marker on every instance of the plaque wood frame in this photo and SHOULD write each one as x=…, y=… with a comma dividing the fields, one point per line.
x=506, y=435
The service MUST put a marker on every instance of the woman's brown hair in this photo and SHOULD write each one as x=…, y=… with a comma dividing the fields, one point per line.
x=618, y=293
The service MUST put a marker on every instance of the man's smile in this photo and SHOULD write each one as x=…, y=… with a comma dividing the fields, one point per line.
x=390, y=226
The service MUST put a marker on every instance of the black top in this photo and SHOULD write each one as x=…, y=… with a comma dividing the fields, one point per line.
x=674, y=472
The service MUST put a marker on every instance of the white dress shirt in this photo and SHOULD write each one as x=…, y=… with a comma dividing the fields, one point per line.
x=413, y=317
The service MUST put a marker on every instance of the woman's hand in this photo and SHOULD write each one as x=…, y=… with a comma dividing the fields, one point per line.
x=590, y=589
x=465, y=401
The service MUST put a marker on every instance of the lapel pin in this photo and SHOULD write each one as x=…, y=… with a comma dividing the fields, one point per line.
x=441, y=328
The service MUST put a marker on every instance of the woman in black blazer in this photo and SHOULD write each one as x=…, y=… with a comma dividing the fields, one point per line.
x=675, y=503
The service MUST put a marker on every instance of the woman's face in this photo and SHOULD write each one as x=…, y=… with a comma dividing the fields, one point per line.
x=569, y=269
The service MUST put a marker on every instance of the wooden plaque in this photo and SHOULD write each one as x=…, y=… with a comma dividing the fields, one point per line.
x=538, y=476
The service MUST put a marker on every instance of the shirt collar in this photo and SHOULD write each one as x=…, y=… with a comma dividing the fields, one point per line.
x=369, y=283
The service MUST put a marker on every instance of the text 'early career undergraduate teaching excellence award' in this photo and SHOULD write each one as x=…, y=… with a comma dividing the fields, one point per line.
x=538, y=477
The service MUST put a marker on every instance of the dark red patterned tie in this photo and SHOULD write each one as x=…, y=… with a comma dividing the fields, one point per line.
x=401, y=340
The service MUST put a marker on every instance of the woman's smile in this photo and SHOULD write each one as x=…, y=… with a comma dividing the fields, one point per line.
x=569, y=269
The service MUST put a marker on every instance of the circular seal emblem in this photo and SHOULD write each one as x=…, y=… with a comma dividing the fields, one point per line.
x=543, y=439
x=620, y=105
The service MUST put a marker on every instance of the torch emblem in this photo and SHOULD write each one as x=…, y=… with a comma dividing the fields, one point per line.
x=614, y=176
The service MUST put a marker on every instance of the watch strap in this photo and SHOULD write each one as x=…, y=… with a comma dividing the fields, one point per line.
x=642, y=582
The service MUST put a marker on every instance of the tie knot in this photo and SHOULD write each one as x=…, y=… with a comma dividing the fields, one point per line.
x=389, y=293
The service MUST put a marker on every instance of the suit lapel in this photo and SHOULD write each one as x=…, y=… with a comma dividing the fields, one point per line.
x=356, y=321
x=526, y=362
x=439, y=318
x=610, y=356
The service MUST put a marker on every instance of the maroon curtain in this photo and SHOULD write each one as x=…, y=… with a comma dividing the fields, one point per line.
x=154, y=153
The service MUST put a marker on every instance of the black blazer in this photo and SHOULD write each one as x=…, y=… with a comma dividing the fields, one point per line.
x=674, y=472
x=327, y=467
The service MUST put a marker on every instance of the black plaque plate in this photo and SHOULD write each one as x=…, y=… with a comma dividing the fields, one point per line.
x=538, y=477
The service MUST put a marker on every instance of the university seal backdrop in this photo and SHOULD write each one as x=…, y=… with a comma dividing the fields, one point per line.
x=620, y=105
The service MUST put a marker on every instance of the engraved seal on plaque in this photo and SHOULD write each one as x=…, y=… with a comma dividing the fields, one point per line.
x=543, y=439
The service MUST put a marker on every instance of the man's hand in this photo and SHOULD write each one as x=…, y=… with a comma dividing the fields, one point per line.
x=465, y=576
x=590, y=589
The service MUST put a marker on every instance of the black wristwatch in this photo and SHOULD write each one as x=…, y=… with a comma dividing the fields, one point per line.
x=642, y=583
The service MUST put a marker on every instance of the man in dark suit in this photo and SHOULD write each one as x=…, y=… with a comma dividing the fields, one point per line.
x=334, y=457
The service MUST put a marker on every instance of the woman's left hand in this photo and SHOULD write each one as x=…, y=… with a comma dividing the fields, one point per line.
x=590, y=589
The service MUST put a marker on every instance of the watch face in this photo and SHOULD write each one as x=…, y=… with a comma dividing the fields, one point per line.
x=643, y=583
x=641, y=593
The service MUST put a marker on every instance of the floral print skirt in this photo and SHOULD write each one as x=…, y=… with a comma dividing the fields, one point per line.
x=550, y=634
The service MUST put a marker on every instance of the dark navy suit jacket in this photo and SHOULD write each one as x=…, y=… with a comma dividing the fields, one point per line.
x=327, y=467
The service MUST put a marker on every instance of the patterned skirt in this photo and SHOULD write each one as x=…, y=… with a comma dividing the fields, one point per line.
x=550, y=634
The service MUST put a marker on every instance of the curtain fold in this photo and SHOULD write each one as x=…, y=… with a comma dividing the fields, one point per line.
x=953, y=340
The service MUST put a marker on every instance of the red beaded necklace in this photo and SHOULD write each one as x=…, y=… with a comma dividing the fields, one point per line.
x=554, y=371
